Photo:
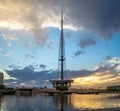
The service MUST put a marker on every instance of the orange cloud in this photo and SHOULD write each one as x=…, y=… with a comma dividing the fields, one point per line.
x=99, y=79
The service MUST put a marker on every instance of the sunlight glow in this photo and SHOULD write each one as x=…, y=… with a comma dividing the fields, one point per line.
x=11, y=26
x=95, y=79
x=57, y=25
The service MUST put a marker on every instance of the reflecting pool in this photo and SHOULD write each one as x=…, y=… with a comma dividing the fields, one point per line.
x=72, y=102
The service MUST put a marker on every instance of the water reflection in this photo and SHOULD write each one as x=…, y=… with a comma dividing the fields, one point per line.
x=39, y=102
x=0, y=101
x=62, y=102
x=91, y=101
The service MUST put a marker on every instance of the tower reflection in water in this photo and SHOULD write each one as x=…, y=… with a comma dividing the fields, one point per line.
x=0, y=101
x=62, y=101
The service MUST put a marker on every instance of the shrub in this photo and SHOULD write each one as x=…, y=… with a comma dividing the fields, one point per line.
x=2, y=86
x=62, y=88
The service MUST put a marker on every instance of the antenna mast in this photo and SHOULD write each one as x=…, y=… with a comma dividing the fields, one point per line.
x=62, y=49
x=61, y=84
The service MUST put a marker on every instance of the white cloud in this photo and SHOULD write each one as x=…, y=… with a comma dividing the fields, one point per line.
x=7, y=76
x=118, y=68
x=9, y=37
x=11, y=25
x=113, y=60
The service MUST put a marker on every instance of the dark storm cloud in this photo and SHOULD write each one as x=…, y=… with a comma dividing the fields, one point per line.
x=98, y=16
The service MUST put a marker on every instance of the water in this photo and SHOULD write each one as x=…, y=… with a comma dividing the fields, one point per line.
x=42, y=102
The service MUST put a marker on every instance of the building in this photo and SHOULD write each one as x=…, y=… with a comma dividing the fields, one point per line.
x=114, y=88
x=1, y=78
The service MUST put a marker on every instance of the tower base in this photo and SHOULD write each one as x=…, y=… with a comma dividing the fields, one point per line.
x=61, y=84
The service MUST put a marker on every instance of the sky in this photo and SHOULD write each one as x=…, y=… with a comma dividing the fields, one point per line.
x=29, y=42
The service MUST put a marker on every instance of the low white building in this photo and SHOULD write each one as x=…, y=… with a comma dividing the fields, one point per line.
x=1, y=78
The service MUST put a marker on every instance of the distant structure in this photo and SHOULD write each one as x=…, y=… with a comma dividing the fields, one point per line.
x=1, y=78
x=61, y=84
x=113, y=88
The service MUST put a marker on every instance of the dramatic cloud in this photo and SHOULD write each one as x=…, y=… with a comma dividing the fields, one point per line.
x=97, y=16
x=33, y=16
x=101, y=76
x=25, y=15
x=28, y=76
x=101, y=79
x=87, y=20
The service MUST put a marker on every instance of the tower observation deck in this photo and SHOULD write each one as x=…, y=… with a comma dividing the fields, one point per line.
x=61, y=84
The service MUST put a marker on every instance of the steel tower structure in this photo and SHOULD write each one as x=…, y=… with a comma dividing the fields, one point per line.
x=61, y=50
x=62, y=83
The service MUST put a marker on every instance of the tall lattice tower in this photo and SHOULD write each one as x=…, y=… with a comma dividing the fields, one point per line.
x=61, y=60
x=61, y=84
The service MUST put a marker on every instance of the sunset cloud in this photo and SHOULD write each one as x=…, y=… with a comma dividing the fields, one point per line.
x=35, y=16
x=30, y=35
x=98, y=79
x=26, y=15
x=102, y=75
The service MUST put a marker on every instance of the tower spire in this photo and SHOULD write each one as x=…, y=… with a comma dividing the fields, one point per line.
x=61, y=84
x=61, y=50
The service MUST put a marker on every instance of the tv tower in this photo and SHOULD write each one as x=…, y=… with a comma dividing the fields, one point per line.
x=61, y=50
x=61, y=84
